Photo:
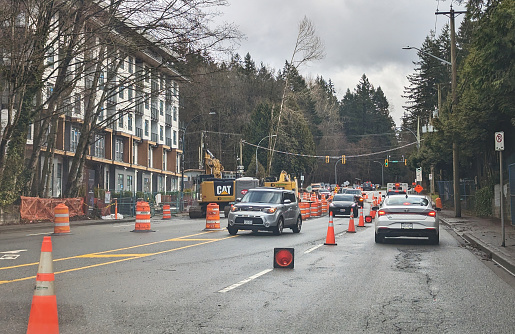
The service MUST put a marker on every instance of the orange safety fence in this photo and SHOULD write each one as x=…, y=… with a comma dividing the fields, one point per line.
x=35, y=208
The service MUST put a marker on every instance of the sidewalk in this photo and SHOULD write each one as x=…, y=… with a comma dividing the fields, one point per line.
x=486, y=235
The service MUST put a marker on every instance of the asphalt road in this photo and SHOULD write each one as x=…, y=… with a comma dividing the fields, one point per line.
x=182, y=279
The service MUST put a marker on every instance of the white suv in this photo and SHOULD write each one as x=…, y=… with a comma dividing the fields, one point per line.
x=266, y=209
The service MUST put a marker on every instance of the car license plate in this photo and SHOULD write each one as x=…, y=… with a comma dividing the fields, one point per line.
x=247, y=221
x=342, y=210
x=406, y=225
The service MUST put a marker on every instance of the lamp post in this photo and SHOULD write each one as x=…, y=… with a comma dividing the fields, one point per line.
x=335, y=175
x=269, y=136
x=455, y=151
x=382, y=175
x=181, y=204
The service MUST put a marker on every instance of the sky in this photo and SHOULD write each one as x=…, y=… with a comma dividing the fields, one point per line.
x=360, y=37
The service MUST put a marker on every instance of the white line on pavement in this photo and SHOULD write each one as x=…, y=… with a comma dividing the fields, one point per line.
x=234, y=286
x=312, y=249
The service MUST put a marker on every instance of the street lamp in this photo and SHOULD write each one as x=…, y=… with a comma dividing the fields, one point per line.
x=413, y=133
x=427, y=54
x=455, y=150
x=382, y=175
x=181, y=205
x=335, y=176
x=269, y=136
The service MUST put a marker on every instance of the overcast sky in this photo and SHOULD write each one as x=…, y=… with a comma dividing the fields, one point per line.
x=360, y=37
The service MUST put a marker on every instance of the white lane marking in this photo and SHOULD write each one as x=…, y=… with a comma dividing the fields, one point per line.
x=28, y=235
x=120, y=225
x=11, y=255
x=312, y=249
x=234, y=286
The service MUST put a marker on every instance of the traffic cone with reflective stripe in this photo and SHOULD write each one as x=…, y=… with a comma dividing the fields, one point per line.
x=361, y=222
x=351, y=228
x=329, y=240
x=43, y=312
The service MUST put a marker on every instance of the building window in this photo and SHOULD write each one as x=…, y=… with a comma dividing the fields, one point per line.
x=50, y=57
x=77, y=103
x=122, y=61
x=149, y=157
x=29, y=133
x=161, y=107
x=147, y=101
x=161, y=133
x=146, y=127
x=101, y=114
x=49, y=90
x=120, y=182
x=129, y=92
x=129, y=183
x=174, y=137
x=131, y=66
x=74, y=138
x=101, y=81
x=100, y=146
x=120, y=121
x=174, y=113
x=59, y=179
x=120, y=92
x=164, y=160
x=129, y=121
x=118, y=150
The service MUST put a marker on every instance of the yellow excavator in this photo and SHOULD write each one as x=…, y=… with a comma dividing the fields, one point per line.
x=285, y=182
x=215, y=189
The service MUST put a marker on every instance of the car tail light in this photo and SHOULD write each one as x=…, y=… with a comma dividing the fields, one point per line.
x=432, y=213
x=381, y=213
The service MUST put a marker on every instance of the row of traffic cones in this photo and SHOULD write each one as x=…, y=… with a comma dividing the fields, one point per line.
x=330, y=238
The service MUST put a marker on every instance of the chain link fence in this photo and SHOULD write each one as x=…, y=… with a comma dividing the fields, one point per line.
x=467, y=193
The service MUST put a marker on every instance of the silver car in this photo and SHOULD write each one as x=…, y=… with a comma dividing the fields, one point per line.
x=407, y=216
x=266, y=209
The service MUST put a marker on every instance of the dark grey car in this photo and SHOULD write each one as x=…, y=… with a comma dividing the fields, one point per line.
x=266, y=209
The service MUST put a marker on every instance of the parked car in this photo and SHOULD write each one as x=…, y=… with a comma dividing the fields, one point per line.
x=358, y=195
x=344, y=205
x=407, y=216
x=266, y=209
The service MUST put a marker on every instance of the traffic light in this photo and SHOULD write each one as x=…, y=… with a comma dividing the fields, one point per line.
x=326, y=159
x=343, y=159
x=386, y=162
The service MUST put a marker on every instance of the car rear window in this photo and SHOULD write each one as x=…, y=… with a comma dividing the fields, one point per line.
x=402, y=200
x=343, y=198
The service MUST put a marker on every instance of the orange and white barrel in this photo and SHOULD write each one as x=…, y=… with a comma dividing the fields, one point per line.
x=212, y=217
x=166, y=212
x=325, y=207
x=142, y=217
x=61, y=219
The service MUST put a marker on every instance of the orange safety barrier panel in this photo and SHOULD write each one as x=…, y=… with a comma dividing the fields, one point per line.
x=319, y=209
x=212, y=217
x=325, y=206
x=35, y=208
x=314, y=209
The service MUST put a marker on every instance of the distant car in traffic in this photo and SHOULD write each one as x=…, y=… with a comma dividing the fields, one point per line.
x=367, y=186
x=344, y=205
x=358, y=195
x=266, y=209
x=407, y=216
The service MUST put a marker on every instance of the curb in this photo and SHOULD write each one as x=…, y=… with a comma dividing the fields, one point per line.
x=492, y=252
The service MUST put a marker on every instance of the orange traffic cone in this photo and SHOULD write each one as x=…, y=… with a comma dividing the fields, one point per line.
x=43, y=312
x=361, y=222
x=351, y=224
x=329, y=240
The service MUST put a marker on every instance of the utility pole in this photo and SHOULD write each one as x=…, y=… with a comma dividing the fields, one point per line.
x=454, y=75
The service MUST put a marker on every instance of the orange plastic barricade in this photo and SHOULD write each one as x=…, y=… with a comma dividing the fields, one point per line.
x=166, y=212
x=325, y=207
x=319, y=208
x=304, y=209
x=213, y=217
x=61, y=220
x=142, y=217
x=43, y=312
x=314, y=209
x=438, y=203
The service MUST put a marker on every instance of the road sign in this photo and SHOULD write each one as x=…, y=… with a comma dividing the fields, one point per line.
x=419, y=174
x=308, y=188
x=499, y=141
x=418, y=188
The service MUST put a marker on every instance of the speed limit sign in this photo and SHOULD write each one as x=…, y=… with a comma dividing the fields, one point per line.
x=499, y=141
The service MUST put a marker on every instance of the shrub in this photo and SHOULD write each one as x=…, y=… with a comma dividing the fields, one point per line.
x=483, y=202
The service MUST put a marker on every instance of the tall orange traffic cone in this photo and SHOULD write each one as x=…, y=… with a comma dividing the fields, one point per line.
x=329, y=240
x=351, y=228
x=361, y=222
x=43, y=312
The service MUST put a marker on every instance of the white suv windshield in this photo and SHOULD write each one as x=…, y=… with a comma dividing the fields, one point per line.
x=262, y=197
